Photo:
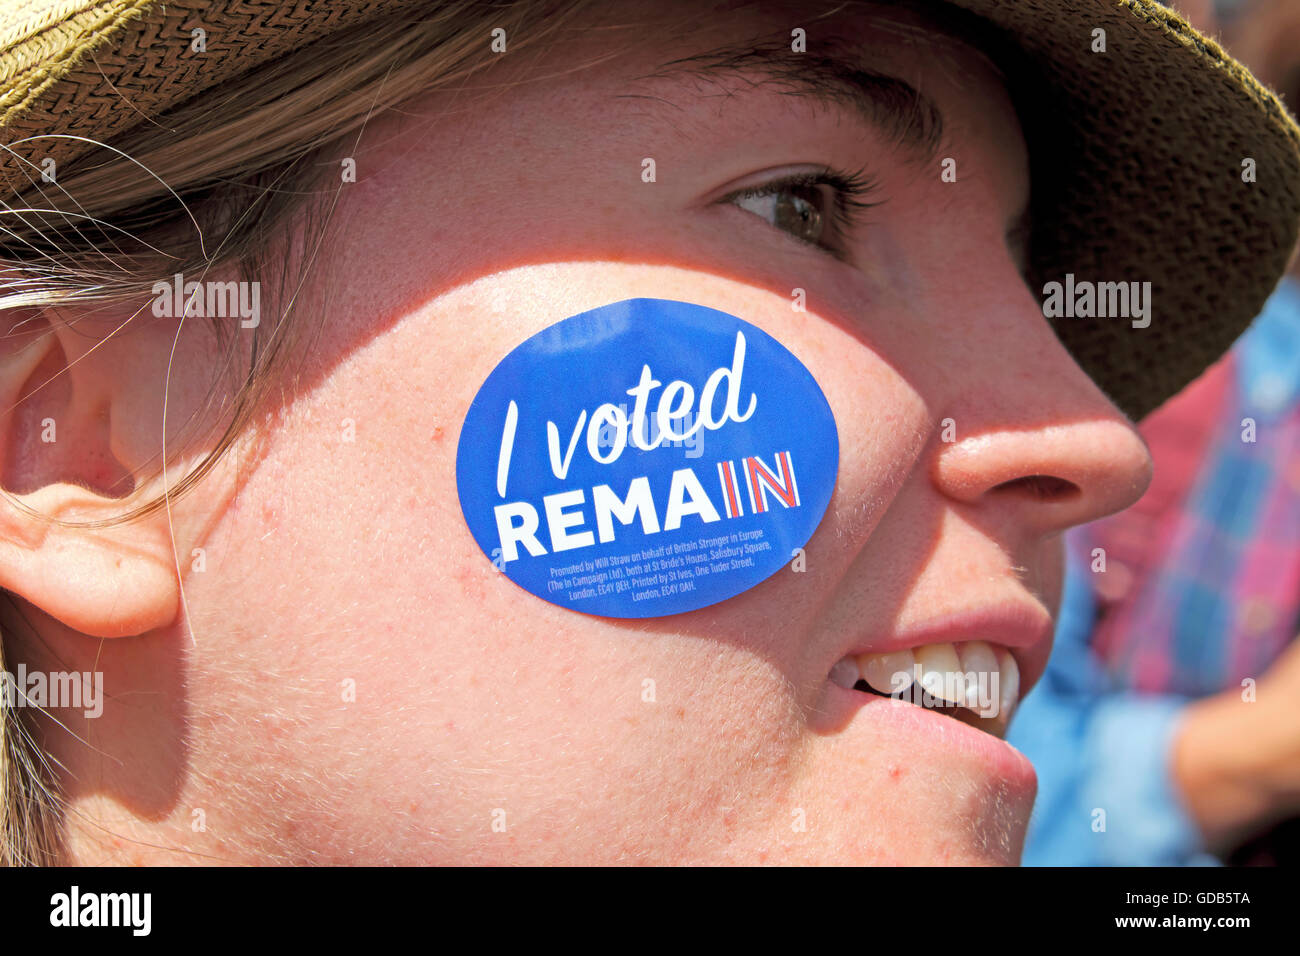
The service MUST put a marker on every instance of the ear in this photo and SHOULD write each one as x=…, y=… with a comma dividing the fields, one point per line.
x=69, y=432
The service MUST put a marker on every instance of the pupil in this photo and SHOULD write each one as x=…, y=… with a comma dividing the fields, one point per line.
x=797, y=215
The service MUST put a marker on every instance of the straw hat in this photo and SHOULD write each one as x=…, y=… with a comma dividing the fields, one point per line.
x=1141, y=153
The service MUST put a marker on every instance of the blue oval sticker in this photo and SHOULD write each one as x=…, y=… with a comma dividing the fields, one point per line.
x=646, y=458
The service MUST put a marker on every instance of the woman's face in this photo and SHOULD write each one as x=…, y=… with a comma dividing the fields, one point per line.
x=491, y=726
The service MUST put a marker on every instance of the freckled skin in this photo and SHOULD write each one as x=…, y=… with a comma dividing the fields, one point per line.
x=473, y=696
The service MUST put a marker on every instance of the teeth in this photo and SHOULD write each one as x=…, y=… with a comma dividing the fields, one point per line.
x=937, y=661
x=957, y=674
x=845, y=673
x=977, y=658
x=890, y=673
x=1010, y=684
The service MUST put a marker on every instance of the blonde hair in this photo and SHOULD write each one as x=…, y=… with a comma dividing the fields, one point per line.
x=217, y=182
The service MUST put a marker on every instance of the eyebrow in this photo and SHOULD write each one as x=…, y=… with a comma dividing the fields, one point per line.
x=905, y=115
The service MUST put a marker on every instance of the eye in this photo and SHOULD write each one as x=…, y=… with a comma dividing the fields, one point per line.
x=802, y=211
x=818, y=207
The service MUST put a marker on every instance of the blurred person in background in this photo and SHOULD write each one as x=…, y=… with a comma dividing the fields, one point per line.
x=1167, y=727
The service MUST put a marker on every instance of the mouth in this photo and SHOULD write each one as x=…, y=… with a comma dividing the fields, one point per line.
x=974, y=682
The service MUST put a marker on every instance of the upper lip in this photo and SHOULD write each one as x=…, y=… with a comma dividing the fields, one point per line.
x=1023, y=627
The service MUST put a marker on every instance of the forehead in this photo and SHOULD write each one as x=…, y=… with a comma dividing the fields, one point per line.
x=920, y=72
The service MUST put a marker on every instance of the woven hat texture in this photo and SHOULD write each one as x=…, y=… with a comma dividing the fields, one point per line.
x=1137, y=164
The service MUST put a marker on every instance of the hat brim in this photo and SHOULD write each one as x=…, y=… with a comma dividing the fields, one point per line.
x=1159, y=160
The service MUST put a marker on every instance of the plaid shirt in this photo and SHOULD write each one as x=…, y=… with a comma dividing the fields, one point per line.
x=1208, y=586
x=1201, y=589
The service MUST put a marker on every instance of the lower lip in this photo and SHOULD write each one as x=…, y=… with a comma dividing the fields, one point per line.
x=917, y=726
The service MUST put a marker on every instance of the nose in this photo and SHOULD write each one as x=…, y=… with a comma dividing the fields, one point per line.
x=1042, y=442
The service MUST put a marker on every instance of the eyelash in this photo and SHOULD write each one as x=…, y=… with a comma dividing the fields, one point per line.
x=852, y=192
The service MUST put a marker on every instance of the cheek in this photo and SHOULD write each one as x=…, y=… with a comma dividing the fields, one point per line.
x=477, y=703
x=470, y=694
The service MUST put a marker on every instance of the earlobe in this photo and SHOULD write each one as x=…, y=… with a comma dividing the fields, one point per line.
x=115, y=581
x=57, y=461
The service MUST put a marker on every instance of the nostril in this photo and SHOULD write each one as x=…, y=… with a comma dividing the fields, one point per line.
x=1041, y=487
